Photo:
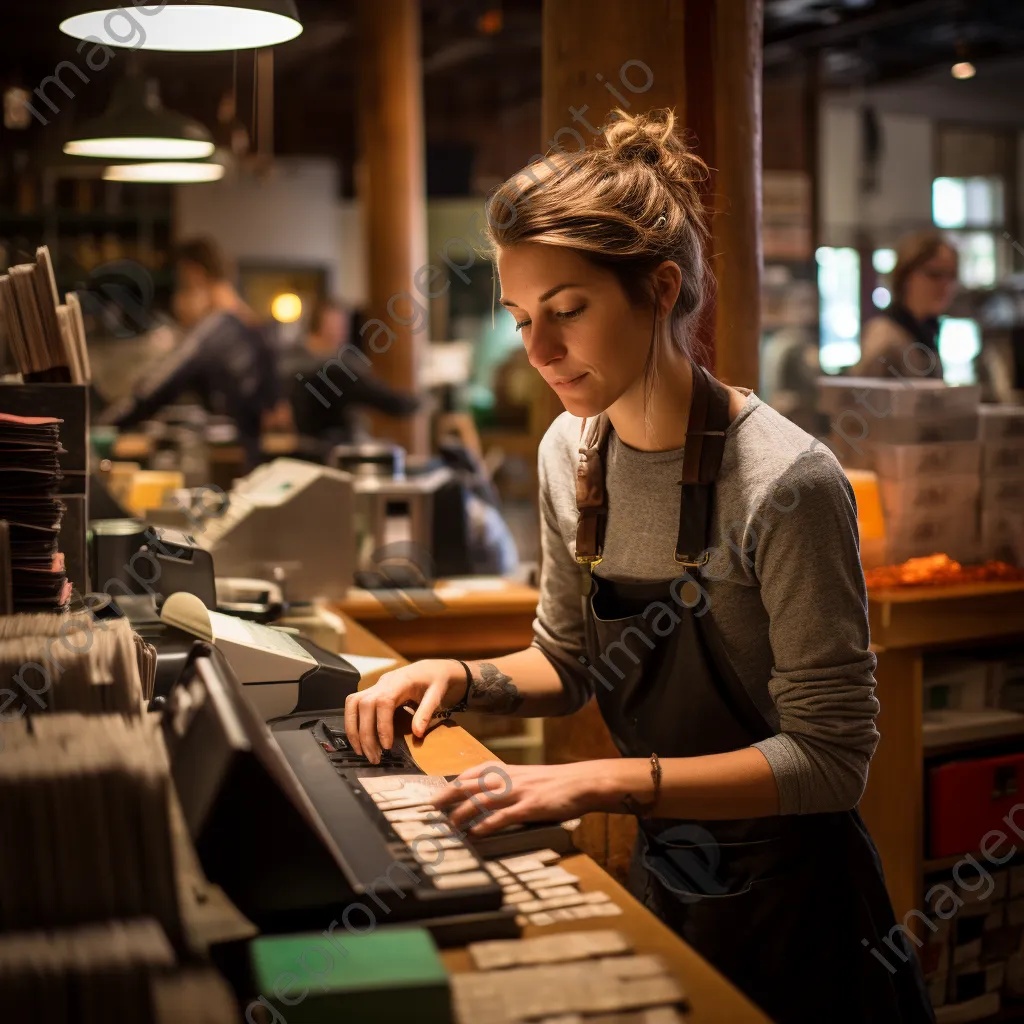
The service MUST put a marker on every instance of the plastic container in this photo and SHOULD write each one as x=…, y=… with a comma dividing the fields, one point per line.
x=969, y=798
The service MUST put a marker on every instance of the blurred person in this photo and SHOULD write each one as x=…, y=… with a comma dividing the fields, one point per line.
x=328, y=380
x=224, y=358
x=924, y=284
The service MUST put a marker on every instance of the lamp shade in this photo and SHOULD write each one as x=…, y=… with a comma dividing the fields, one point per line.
x=169, y=172
x=136, y=126
x=188, y=25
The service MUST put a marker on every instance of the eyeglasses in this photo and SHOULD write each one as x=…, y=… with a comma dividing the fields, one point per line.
x=938, y=276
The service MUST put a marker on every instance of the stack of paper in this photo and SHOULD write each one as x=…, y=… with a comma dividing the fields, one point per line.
x=45, y=338
x=118, y=971
x=73, y=663
x=87, y=834
x=29, y=479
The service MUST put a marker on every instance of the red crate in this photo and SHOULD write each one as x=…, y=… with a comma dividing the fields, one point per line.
x=970, y=798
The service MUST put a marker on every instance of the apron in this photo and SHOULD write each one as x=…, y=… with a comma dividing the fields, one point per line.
x=788, y=907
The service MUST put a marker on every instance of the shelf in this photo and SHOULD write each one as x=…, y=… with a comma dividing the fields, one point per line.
x=970, y=729
x=935, y=865
x=73, y=217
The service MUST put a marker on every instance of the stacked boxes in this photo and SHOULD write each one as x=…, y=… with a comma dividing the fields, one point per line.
x=920, y=438
x=1002, y=489
x=970, y=940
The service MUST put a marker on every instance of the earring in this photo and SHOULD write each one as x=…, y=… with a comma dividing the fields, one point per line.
x=661, y=221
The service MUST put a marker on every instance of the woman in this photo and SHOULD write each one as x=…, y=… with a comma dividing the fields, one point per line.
x=905, y=336
x=723, y=625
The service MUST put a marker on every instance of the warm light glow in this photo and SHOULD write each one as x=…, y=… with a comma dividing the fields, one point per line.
x=286, y=308
x=965, y=69
x=191, y=28
x=140, y=148
x=170, y=173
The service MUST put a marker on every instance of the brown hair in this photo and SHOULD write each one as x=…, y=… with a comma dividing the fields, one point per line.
x=627, y=203
x=322, y=306
x=912, y=253
x=204, y=253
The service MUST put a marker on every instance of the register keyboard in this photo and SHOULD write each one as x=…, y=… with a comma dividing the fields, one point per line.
x=381, y=817
x=299, y=830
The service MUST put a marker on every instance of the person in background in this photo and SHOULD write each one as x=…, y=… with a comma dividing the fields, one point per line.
x=224, y=359
x=924, y=286
x=327, y=379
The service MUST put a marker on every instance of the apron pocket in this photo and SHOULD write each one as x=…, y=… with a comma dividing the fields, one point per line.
x=690, y=863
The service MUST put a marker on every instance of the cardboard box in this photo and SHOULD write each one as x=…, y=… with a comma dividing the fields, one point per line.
x=878, y=398
x=998, y=422
x=1002, y=457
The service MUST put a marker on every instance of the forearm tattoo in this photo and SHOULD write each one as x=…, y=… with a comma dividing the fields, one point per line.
x=494, y=691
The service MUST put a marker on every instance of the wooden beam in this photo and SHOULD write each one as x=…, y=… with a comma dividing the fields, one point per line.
x=392, y=185
x=737, y=223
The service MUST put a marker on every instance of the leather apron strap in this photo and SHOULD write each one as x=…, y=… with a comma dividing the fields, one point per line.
x=702, y=458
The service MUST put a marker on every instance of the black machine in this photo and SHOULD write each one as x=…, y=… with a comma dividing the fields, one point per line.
x=281, y=821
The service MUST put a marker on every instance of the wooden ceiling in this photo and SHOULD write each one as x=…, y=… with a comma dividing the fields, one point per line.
x=482, y=86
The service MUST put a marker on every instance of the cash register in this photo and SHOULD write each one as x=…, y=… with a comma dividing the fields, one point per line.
x=290, y=521
x=283, y=821
x=168, y=594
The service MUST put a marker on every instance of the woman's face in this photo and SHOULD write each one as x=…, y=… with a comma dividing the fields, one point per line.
x=581, y=332
x=931, y=288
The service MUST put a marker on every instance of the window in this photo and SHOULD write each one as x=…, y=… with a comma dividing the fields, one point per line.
x=962, y=204
x=839, y=291
x=967, y=202
x=959, y=344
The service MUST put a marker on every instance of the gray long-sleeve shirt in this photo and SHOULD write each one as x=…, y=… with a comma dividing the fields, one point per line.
x=785, y=586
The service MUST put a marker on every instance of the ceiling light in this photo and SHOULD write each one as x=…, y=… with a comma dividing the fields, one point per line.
x=183, y=26
x=136, y=126
x=166, y=171
x=964, y=69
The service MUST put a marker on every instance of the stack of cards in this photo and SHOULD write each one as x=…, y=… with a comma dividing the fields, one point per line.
x=72, y=663
x=46, y=340
x=93, y=974
x=29, y=479
x=86, y=836
x=117, y=971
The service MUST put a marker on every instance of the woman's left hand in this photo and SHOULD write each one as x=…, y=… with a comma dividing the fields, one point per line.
x=492, y=796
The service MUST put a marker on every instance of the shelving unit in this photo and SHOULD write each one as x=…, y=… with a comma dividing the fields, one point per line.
x=905, y=626
x=73, y=205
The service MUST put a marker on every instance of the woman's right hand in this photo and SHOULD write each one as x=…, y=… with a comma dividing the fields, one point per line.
x=370, y=713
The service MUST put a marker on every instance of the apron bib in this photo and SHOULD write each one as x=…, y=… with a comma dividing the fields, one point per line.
x=787, y=907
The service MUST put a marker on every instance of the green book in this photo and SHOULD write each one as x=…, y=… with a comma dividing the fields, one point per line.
x=388, y=976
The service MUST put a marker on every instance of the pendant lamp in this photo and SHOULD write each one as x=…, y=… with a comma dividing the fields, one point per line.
x=136, y=126
x=187, y=25
x=168, y=172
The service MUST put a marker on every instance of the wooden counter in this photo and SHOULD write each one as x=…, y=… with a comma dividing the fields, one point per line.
x=481, y=617
x=447, y=750
x=906, y=624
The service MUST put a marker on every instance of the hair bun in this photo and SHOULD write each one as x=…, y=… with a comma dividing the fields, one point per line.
x=647, y=137
x=652, y=139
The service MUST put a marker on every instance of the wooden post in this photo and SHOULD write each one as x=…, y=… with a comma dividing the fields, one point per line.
x=736, y=87
x=392, y=186
x=703, y=59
